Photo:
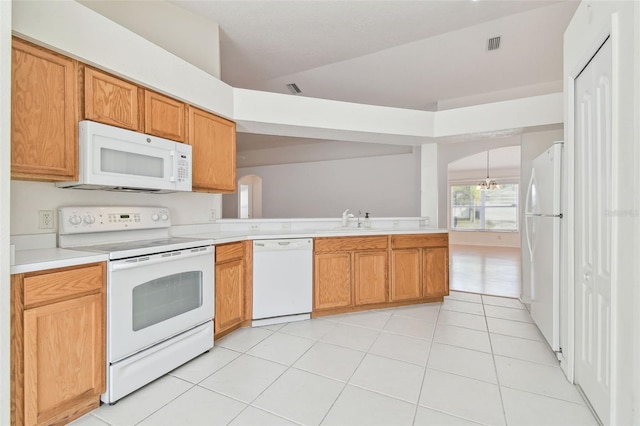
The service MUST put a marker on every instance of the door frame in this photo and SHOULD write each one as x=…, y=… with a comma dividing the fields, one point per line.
x=615, y=29
x=568, y=282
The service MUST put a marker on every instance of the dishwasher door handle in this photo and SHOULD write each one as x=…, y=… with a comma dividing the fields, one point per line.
x=275, y=245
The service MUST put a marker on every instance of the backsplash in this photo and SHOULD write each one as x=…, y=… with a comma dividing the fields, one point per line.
x=27, y=198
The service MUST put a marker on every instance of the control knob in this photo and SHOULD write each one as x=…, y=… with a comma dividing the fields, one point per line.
x=155, y=217
x=164, y=216
x=75, y=220
x=89, y=220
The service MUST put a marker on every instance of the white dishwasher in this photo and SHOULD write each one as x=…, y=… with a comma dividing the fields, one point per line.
x=282, y=280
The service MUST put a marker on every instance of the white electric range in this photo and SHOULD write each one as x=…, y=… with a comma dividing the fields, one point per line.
x=160, y=290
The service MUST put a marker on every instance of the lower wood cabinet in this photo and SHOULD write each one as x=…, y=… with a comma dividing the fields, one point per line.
x=332, y=287
x=232, y=287
x=370, y=277
x=406, y=268
x=435, y=282
x=58, y=322
x=419, y=267
x=355, y=273
x=349, y=272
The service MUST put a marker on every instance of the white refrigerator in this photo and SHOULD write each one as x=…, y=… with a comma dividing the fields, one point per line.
x=543, y=224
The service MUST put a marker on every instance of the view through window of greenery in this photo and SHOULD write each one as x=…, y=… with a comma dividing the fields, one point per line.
x=491, y=210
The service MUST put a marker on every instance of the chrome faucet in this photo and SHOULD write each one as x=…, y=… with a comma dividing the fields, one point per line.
x=345, y=217
x=359, y=213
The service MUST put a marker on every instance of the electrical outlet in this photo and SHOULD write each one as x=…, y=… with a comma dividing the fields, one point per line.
x=45, y=219
x=212, y=215
x=254, y=226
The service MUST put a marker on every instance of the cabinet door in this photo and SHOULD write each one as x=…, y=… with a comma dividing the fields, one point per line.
x=436, y=272
x=164, y=117
x=109, y=100
x=405, y=274
x=214, y=152
x=229, y=295
x=44, y=117
x=370, y=277
x=64, y=356
x=332, y=281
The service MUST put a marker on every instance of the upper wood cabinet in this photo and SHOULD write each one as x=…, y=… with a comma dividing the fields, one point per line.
x=214, y=152
x=58, y=344
x=51, y=93
x=164, y=117
x=110, y=100
x=44, y=119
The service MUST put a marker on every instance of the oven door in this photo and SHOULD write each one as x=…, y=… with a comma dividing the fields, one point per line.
x=153, y=298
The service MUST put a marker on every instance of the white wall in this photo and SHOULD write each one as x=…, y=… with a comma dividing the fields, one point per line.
x=592, y=21
x=383, y=186
x=192, y=37
x=429, y=183
x=29, y=197
x=5, y=155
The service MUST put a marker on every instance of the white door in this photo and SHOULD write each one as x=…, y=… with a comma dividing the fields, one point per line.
x=593, y=231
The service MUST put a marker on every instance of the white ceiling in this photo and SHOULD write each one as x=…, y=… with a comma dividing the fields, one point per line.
x=418, y=54
x=409, y=54
x=421, y=54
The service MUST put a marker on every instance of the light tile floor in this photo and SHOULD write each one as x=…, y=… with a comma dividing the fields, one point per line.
x=470, y=360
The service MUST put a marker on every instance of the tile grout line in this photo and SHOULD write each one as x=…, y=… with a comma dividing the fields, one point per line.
x=346, y=383
x=288, y=367
x=495, y=366
x=426, y=365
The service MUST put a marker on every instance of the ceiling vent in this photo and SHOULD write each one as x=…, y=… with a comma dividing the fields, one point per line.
x=493, y=43
x=294, y=89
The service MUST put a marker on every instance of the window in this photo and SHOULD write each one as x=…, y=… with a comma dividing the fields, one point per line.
x=494, y=210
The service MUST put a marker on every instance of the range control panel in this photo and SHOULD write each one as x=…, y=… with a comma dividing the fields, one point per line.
x=78, y=220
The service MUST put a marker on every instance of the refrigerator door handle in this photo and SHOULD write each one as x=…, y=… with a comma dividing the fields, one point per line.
x=544, y=215
x=528, y=213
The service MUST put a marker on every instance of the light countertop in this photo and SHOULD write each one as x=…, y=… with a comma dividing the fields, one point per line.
x=43, y=258
x=51, y=258
x=221, y=237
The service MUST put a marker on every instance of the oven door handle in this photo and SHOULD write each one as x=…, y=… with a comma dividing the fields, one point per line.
x=141, y=261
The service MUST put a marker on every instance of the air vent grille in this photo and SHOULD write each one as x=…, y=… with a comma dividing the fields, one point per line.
x=294, y=89
x=493, y=43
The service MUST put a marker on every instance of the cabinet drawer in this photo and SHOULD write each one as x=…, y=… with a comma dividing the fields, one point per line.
x=419, y=240
x=63, y=284
x=229, y=251
x=350, y=243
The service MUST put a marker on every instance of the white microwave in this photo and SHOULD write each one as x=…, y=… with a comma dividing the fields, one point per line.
x=115, y=159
